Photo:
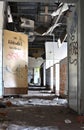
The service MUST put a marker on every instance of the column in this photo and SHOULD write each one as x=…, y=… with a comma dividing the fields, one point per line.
x=2, y=8
x=80, y=56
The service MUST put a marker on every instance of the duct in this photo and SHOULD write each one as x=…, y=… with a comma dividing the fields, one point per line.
x=10, y=19
x=31, y=37
x=27, y=23
x=59, y=41
x=57, y=12
x=60, y=13
x=50, y=29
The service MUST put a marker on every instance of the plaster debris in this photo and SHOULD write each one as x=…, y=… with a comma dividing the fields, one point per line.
x=37, y=101
x=18, y=110
x=17, y=127
x=67, y=121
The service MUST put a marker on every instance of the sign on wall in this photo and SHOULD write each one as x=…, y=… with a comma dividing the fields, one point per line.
x=15, y=62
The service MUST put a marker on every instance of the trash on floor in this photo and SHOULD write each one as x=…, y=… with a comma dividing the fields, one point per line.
x=17, y=127
x=67, y=121
x=37, y=101
x=18, y=110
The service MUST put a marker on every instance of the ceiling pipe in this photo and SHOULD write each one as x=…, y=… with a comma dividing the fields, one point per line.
x=62, y=8
x=60, y=13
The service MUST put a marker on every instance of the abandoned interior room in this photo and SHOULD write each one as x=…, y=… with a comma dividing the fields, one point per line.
x=41, y=65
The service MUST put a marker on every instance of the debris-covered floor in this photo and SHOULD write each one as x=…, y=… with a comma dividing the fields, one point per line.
x=45, y=112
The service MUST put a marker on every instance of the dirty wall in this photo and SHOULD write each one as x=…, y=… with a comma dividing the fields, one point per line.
x=48, y=78
x=15, y=63
x=72, y=29
x=63, y=77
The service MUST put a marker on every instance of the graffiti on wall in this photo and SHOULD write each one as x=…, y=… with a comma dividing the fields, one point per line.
x=73, y=50
x=15, y=55
x=73, y=43
x=15, y=59
x=20, y=72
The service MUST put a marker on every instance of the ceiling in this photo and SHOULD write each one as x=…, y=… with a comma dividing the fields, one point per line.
x=35, y=19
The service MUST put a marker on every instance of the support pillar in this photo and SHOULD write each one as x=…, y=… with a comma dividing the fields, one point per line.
x=76, y=58
x=72, y=28
x=81, y=57
x=2, y=9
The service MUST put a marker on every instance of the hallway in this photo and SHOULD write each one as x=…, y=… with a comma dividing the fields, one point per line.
x=42, y=40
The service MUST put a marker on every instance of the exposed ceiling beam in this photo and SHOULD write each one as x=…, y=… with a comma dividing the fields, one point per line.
x=46, y=12
x=43, y=1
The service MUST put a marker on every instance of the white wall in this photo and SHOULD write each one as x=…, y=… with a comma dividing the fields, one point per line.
x=44, y=74
x=33, y=63
x=30, y=74
x=57, y=78
x=37, y=76
x=54, y=54
x=51, y=78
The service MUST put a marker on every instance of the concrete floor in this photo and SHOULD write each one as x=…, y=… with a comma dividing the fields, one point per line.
x=38, y=117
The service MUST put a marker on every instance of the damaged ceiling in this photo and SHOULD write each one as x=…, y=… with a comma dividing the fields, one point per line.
x=41, y=21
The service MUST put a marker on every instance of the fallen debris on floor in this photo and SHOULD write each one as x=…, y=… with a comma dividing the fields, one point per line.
x=36, y=101
x=7, y=126
x=67, y=121
x=17, y=127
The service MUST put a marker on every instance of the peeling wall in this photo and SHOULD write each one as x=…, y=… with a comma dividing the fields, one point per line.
x=15, y=60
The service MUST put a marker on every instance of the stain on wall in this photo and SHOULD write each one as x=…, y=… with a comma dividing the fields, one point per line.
x=15, y=62
x=72, y=28
x=63, y=77
x=48, y=79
